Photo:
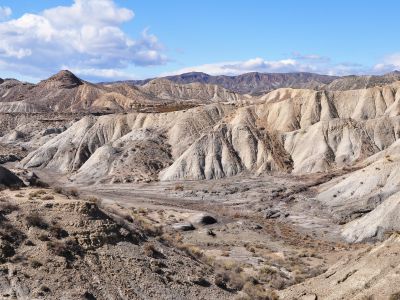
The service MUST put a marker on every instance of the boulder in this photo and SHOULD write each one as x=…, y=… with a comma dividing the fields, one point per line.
x=9, y=158
x=183, y=226
x=272, y=214
x=9, y=179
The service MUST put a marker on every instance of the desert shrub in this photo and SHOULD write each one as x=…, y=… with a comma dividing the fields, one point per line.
x=93, y=199
x=29, y=243
x=7, y=208
x=68, y=249
x=395, y=296
x=11, y=234
x=47, y=197
x=73, y=192
x=36, y=264
x=210, y=232
x=58, y=190
x=147, y=226
x=58, y=232
x=43, y=237
x=37, y=194
x=257, y=292
x=229, y=274
x=179, y=187
x=151, y=251
x=191, y=250
x=35, y=220
x=221, y=280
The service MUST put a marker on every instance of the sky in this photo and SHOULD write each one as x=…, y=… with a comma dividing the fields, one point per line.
x=107, y=40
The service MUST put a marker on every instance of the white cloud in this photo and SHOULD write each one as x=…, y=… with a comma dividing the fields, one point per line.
x=388, y=64
x=239, y=67
x=99, y=74
x=312, y=63
x=86, y=35
x=5, y=12
x=296, y=62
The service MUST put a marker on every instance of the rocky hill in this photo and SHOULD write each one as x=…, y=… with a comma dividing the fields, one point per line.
x=169, y=90
x=95, y=253
x=348, y=129
x=64, y=92
x=361, y=82
x=221, y=140
x=294, y=180
x=251, y=83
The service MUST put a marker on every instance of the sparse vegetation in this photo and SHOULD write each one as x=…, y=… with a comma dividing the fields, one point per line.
x=179, y=187
x=68, y=249
x=35, y=220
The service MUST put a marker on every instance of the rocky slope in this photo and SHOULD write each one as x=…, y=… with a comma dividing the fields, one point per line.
x=95, y=253
x=311, y=167
x=64, y=92
x=370, y=274
x=287, y=131
x=169, y=90
x=267, y=137
x=250, y=83
x=259, y=83
x=362, y=82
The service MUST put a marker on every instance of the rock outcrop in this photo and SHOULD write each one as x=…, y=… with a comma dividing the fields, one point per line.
x=9, y=180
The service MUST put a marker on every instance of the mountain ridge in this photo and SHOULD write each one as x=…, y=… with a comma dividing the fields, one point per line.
x=257, y=83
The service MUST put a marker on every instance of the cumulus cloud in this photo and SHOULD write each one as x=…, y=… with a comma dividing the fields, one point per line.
x=102, y=74
x=5, y=12
x=86, y=35
x=295, y=63
x=389, y=63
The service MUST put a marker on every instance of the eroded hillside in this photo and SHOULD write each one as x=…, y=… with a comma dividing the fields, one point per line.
x=302, y=177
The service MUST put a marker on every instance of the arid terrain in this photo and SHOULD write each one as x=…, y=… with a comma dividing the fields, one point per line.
x=258, y=186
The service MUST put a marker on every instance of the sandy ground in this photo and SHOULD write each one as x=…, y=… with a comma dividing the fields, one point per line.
x=302, y=242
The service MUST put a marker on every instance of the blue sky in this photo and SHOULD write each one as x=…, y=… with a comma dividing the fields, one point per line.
x=123, y=39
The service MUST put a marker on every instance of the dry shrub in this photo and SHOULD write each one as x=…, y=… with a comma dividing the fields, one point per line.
x=36, y=264
x=395, y=296
x=191, y=250
x=93, y=199
x=7, y=208
x=68, y=249
x=37, y=194
x=35, y=220
x=257, y=292
x=147, y=226
x=72, y=192
x=58, y=190
x=151, y=251
x=229, y=274
x=58, y=232
x=179, y=187
x=43, y=237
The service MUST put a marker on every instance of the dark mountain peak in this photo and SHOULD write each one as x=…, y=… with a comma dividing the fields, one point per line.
x=63, y=79
x=1, y=81
x=195, y=76
x=393, y=73
x=255, y=82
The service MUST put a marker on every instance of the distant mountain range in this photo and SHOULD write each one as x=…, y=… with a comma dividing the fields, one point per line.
x=66, y=92
x=251, y=83
x=260, y=83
